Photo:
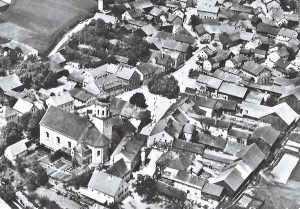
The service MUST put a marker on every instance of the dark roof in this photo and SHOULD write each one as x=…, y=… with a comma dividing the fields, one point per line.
x=200, y=30
x=148, y=68
x=133, y=147
x=80, y=94
x=73, y=126
x=252, y=156
x=184, y=38
x=188, y=146
x=170, y=191
x=266, y=133
x=118, y=169
x=176, y=159
x=267, y=29
x=190, y=179
x=213, y=141
x=253, y=68
x=227, y=105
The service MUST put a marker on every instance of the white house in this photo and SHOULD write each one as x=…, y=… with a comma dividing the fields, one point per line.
x=7, y=114
x=16, y=151
x=23, y=106
x=62, y=100
x=106, y=189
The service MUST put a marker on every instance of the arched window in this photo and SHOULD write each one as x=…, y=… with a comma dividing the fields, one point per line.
x=98, y=153
x=103, y=112
x=47, y=134
x=58, y=140
x=69, y=144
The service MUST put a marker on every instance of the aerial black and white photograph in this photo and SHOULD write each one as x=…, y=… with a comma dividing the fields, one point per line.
x=149, y=104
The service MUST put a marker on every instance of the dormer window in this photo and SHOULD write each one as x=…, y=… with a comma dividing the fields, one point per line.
x=47, y=134
x=58, y=140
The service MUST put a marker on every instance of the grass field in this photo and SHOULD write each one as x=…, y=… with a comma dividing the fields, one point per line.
x=40, y=23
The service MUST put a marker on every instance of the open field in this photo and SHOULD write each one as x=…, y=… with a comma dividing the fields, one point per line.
x=41, y=23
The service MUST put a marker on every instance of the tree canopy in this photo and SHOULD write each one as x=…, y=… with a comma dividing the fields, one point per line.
x=139, y=100
x=166, y=86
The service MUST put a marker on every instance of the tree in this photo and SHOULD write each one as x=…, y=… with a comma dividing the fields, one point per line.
x=33, y=124
x=166, y=86
x=139, y=100
x=145, y=187
x=271, y=101
x=194, y=73
x=12, y=133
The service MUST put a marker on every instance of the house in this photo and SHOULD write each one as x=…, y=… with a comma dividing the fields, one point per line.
x=16, y=150
x=212, y=192
x=211, y=141
x=164, y=132
x=10, y=83
x=272, y=4
x=186, y=182
x=239, y=135
x=3, y=204
x=203, y=35
x=120, y=169
x=171, y=46
x=129, y=76
x=292, y=97
x=173, y=161
x=163, y=60
x=285, y=35
x=208, y=105
x=208, y=9
x=7, y=114
x=130, y=151
x=267, y=30
x=132, y=14
x=62, y=130
x=281, y=117
x=265, y=136
x=62, y=100
x=148, y=71
x=106, y=188
x=233, y=177
x=255, y=70
x=185, y=146
x=23, y=106
x=216, y=61
x=81, y=97
x=212, y=84
x=207, y=52
x=147, y=30
x=232, y=91
x=236, y=61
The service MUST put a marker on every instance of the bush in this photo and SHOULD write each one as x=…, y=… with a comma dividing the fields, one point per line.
x=145, y=187
x=166, y=86
x=194, y=74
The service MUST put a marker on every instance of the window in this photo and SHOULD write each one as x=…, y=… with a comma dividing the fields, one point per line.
x=98, y=152
x=69, y=144
x=103, y=112
x=47, y=134
x=58, y=140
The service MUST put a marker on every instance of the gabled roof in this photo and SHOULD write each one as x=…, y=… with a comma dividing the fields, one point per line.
x=10, y=82
x=23, y=106
x=233, y=90
x=176, y=159
x=252, y=156
x=188, y=146
x=62, y=98
x=212, y=189
x=267, y=133
x=6, y=112
x=253, y=68
x=211, y=82
x=125, y=71
x=131, y=149
x=105, y=183
x=17, y=148
x=213, y=141
x=189, y=179
x=73, y=126
x=118, y=169
x=80, y=94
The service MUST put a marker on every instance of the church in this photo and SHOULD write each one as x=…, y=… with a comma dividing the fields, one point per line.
x=86, y=140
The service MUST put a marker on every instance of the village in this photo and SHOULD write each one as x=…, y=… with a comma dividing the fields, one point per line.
x=152, y=104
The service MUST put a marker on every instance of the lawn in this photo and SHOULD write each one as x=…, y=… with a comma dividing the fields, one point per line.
x=41, y=23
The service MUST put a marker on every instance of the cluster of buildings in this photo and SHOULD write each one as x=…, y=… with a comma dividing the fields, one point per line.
x=214, y=138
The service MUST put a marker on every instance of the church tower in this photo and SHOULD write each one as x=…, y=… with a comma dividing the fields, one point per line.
x=100, y=5
x=101, y=116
